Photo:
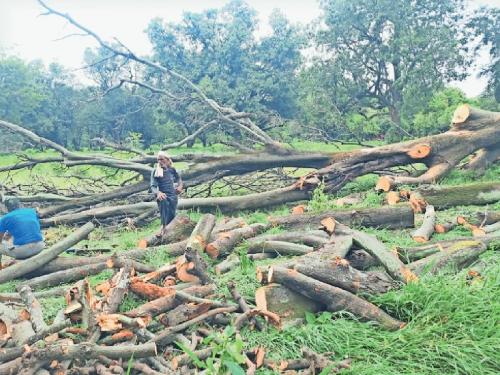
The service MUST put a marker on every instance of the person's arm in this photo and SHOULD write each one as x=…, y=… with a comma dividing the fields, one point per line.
x=178, y=181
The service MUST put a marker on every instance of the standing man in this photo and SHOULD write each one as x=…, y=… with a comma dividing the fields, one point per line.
x=165, y=184
x=24, y=226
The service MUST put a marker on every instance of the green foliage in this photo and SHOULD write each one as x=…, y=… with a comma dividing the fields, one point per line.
x=227, y=353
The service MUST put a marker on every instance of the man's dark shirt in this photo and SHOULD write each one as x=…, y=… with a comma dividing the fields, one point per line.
x=165, y=184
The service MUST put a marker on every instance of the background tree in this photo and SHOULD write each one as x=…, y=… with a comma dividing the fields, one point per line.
x=385, y=54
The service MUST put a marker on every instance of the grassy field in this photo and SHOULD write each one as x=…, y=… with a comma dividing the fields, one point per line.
x=453, y=323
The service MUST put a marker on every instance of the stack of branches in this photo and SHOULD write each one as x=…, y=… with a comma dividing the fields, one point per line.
x=96, y=333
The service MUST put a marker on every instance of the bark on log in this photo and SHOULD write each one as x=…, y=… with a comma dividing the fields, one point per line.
x=361, y=260
x=177, y=230
x=342, y=275
x=184, y=312
x=168, y=302
x=424, y=233
x=279, y=247
x=394, y=217
x=445, y=227
x=201, y=233
x=186, y=359
x=487, y=217
x=227, y=264
x=200, y=267
x=334, y=298
x=442, y=197
x=34, y=308
x=226, y=241
x=483, y=159
x=456, y=257
x=119, y=287
x=15, y=297
x=316, y=238
x=288, y=304
x=65, y=276
x=22, y=268
x=392, y=264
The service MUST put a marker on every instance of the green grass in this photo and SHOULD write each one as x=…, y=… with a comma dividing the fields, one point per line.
x=452, y=329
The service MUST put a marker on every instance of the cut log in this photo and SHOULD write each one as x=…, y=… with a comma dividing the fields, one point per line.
x=419, y=151
x=342, y=275
x=177, y=230
x=184, y=312
x=65, y=276
x=424, y=233
x=445, y=227
x=165, y=335
x=34, y=308
x=226, y=241
x=22, y=268
x=390, y=261
x=168, y=302
x=334, y=298
x=384, y=183
x=148, y=290
x=15, y=297
x=279, y=247
x=481, y=231
x=392, y=198
x=456, y=257
x=119, y=262
x=119, y=287
x=316, y=238
x=201, y=233
x=487, y=217
x=442, y=197
x=200, y=267
x=394, y=217
x=186, y=359
x=288, y=304
x=232, y=261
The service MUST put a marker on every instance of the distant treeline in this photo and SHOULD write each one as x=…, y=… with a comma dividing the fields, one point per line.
x=365, y=70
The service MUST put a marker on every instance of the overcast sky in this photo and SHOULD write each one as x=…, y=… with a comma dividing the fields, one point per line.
x=23, y=32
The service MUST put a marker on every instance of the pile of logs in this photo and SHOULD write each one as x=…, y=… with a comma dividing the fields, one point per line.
x=323, y=265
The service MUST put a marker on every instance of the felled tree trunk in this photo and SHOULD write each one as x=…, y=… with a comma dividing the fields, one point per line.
x=342, y=275
x=316, y=239
x=226, y=241
x=201, y=233
x=442, y=197
x=334, y=298
x=461, y=254
x=394, y=217
x=279, y=247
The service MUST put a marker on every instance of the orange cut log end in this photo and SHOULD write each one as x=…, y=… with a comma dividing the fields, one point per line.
x=392, y=198
x=142, y=244
x=212, y=251
x=384, y=183
x=419, y=151
x=420, y=239
x=461, y=114
x=439, y=228
x=478, y=232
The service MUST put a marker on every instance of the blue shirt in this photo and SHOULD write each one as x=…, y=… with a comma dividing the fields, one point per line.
x=23, y=225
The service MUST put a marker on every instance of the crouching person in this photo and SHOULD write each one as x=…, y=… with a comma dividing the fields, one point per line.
x=23, y=225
